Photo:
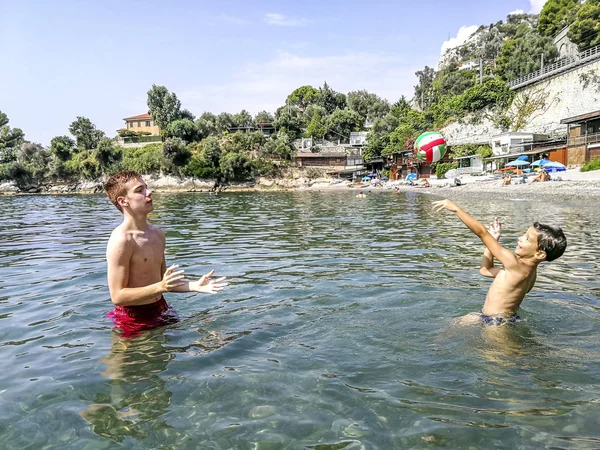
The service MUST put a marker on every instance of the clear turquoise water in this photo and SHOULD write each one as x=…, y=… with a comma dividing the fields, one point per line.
x=336, y=331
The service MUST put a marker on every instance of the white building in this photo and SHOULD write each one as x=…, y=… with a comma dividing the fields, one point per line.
x=358, y=138
x=515, y=142
x=468, y=65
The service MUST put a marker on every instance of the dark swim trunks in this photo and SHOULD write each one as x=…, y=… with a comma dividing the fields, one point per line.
x=132, y=320
x=499, y=320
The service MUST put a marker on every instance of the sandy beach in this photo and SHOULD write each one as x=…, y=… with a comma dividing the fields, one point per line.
x=569, y=185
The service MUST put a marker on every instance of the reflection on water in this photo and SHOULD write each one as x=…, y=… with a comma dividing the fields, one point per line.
x=137, y=397
x=337, y=331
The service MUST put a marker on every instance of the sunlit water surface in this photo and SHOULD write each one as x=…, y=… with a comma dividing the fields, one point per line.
x=336, y=331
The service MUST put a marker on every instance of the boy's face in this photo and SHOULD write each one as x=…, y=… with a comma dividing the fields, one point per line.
x=138, y=197
x=527, y=245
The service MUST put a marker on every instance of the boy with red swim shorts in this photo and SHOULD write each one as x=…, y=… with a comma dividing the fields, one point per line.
x=137, y=272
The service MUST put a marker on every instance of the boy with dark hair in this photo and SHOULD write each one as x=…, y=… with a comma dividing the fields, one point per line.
x=518, y=273
x=137, y=272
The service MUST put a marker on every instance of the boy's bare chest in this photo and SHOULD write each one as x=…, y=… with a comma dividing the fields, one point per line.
x=148, y=249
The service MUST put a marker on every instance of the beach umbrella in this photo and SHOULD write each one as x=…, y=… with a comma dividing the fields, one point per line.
x=522, y=158
x=554, y=166
x=540, y=162
x=516, y=163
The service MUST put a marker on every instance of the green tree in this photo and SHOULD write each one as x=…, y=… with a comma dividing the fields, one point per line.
x=264, y=117
x=522, y=55
x=146, y=160
x=290, y=120
x=211, y=151
x=62, y=147
x=176, y=151
x=224, y=122
x=454, y=82
x=331, y=99
x=207, y=125
x=278, y=148
x=243, y=119
x=368, y=105
x=163, y=105
x=424, y=90
x=236, y=166
x=341, y=123
x=107, y=154
x=316, y=128
x=205, y=160
x=555, y=15
x=10, y=140
x=412, y=124
x=86, y=134
x=585, y=30
x=183, y=129
x=303, y=96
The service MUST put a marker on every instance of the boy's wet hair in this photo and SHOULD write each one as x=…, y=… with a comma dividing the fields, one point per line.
x=116, y=185
x=551, y=240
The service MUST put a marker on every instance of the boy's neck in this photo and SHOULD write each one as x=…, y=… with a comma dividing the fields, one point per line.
x=137, y=223
x=532, y=262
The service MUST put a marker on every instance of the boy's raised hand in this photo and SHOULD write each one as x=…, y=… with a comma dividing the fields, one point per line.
x=495, y=228
x=208, y=286
x=172, y=279
x=445, y=204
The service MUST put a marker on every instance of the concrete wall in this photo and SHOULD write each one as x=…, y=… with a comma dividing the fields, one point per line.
x=566, y=95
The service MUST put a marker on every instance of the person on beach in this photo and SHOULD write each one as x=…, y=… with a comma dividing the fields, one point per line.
x=517, y=275
x=137, y=272
x=507, y=180
x=361, y=195
x=541, y=177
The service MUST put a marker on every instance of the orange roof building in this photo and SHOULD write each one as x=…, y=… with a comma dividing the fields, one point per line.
x=142, y=122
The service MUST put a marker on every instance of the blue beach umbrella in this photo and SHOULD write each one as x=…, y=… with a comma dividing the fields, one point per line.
x=554, y=166
x=540, y=162
x=522, y=158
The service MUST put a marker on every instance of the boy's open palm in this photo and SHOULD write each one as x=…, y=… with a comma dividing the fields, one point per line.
x=208, y=286
x=495, y=228
x=445, y=204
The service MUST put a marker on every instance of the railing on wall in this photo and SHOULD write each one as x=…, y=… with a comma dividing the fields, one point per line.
x=562, y=65
x=584, y=140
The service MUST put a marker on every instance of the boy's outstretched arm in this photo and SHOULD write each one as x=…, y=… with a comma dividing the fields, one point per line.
x=487, y=268
x=204, y=284
x=505, y=256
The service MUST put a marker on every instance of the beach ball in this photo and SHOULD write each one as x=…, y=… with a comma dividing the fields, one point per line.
x=430, y=147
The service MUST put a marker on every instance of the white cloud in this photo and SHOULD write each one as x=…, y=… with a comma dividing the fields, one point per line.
x=463, y=34
x=265, y=86
x=283, y=21
x=536, y=6
x=232, y=20
x=516, y=12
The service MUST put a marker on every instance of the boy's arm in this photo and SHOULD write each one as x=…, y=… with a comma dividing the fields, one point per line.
x=487, y=268
x=118, y=257
x=505, y=256
x=204, y=285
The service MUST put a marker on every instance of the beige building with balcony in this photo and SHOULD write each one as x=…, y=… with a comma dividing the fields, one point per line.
x=141, y=122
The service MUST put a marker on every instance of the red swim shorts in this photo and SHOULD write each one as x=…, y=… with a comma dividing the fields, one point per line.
x=132, y=320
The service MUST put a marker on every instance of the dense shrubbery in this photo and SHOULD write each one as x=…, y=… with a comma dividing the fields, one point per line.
x=442, y=168
x=594, y=164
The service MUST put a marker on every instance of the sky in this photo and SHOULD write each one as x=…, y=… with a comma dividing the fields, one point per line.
x=98, y=59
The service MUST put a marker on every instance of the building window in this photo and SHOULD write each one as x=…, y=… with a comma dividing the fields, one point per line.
x=139, y=124
x=148, y=123
x=130, y=124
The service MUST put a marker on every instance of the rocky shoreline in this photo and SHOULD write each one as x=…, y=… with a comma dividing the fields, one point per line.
x=571, y=185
